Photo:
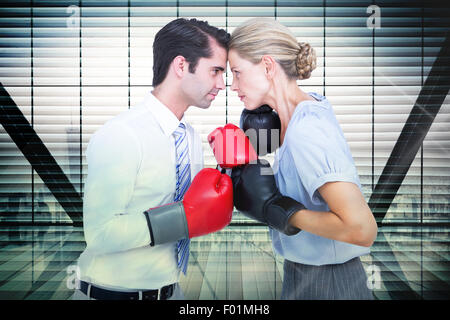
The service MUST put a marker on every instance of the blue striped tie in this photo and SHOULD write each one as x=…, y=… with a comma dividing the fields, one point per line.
x=183, y=169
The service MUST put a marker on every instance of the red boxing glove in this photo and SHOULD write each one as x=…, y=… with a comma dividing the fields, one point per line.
x=207, y=207
x=231, y=146
x=208, y=203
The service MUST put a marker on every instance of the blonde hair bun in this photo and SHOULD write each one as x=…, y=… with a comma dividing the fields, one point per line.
x=260, y=36
x=306, y=60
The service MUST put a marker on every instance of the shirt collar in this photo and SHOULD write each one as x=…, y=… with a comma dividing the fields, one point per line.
x=166, y=119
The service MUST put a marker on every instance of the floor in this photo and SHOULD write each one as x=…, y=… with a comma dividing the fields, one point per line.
x=236, y=263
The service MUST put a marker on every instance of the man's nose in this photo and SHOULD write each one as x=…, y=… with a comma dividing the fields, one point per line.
x=220, y=83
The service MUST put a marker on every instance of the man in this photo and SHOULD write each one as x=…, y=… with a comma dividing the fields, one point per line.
x=146, y=157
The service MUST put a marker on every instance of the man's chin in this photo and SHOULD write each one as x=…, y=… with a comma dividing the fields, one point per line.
x=202, y=106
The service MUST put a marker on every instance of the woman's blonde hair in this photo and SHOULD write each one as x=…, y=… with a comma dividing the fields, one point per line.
x=263, y=36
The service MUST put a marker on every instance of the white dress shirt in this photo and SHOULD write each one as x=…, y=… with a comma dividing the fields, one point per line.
x=131, y=168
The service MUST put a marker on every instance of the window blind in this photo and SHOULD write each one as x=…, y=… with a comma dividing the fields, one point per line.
x=69, y=66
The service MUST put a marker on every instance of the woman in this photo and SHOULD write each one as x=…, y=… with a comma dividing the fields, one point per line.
x=315, y=166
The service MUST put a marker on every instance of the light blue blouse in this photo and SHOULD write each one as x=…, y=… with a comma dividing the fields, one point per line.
x=313, y=153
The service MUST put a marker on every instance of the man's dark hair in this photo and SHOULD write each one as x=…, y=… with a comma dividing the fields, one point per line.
x=187, y=38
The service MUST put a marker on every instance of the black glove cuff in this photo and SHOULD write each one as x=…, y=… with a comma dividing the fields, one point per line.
x=284, y=207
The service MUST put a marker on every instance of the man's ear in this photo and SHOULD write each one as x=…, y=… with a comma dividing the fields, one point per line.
x=269, y=64
x=180, y=66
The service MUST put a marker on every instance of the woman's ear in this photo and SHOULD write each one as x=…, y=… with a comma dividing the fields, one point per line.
x=179, y=66
x=269, y=64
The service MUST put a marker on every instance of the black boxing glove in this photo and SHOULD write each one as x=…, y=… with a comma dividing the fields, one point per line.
x=256, y=195
x=267, y=126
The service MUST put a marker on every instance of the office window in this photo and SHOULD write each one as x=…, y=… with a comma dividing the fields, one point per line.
x=69, y=66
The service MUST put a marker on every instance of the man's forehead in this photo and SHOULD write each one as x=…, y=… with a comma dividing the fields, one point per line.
x=217, y=60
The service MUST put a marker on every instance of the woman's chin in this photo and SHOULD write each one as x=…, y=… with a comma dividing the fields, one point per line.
x=250, y=106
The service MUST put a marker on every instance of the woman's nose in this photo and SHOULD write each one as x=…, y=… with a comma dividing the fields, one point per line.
x=234, y=86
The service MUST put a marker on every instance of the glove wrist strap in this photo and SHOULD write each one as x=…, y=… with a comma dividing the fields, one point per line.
x=285, y=207
x=167, y=223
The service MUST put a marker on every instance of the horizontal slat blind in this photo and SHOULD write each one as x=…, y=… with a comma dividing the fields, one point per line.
x=70, y=66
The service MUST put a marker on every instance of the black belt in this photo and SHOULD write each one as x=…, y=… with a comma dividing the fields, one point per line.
x=103, y=294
